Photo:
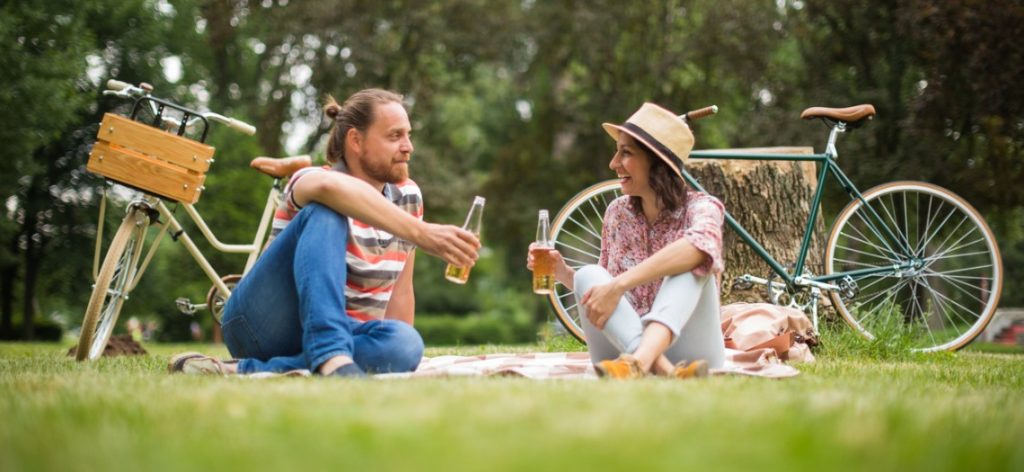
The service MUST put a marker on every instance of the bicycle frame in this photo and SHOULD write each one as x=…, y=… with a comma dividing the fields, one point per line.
x=829, y=166
x=169, y=224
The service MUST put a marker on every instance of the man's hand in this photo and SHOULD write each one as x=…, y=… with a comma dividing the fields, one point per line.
x=600, y=301
x=451, y=243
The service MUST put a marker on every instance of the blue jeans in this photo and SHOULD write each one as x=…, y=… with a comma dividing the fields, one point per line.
x=288, y=312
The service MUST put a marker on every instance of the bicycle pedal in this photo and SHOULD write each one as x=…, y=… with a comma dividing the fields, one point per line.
x=185, y=306
x=741, y=283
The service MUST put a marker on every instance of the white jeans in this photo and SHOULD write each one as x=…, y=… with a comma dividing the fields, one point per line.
x=686, y=304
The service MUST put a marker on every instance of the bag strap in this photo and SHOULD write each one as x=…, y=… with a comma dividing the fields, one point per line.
x=780, y=344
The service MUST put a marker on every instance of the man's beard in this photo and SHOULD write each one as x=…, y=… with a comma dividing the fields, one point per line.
x=385, y=171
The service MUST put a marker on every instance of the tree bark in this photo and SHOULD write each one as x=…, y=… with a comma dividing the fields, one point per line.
x=772, y=201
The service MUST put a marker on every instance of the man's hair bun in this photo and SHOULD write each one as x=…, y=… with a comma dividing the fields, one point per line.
x=332, y=109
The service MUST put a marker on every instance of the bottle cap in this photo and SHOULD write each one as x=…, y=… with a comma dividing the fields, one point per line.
x=478, y=200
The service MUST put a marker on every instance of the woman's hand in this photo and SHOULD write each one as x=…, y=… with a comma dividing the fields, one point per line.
x=600, y=301
x=563, y=273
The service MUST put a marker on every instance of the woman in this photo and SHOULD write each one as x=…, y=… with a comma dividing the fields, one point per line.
x=651, y=305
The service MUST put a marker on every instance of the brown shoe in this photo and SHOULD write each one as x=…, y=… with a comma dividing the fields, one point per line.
x=196, y=364
x=689, y=370
x=624, y=367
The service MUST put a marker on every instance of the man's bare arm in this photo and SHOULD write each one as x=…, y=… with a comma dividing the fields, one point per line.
x=402, y=306
x=353, y=197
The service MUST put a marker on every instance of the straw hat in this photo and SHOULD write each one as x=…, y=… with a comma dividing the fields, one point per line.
x=661, y=130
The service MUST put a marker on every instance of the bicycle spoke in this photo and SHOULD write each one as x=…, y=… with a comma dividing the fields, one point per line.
x=876, y=256
x=905, y=225
x=939, y=228
x=584, y=241
x=855, y=263
x=893, y=220
x=920, y=309
x=954, y=302
x=959, y=286
x=597, y=212
x=928, y=224
x=579, y=262
x=594, y=230
x=941, y=310
x=965, y=254
x=958, y=247
x=946, y=272
x=942, y=245
x=878, y=294
x=871, y=226
x=973, y=277
x=588, y=228
x=880, y=249
x=889, y=294
x=872, y=284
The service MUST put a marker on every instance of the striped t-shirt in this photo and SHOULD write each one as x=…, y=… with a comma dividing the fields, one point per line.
x=374, y=257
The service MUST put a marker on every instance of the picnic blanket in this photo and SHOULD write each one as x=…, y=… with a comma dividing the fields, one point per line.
x=758, y=338
x=572, y=365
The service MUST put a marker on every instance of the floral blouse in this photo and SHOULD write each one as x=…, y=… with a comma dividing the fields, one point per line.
x=627, y=239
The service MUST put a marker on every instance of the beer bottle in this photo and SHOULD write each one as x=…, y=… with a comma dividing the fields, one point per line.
x=543, y=263
x=460, y=275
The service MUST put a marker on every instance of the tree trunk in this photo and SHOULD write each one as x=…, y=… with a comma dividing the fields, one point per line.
x=7, y=295
x=771, y=200
x=7, y=278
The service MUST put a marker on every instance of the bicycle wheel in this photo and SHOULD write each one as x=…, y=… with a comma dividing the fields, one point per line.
x=576, y=232
x=949, y=295
x=112, y=285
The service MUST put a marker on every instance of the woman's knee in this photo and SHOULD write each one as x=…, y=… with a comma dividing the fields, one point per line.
x=590, y=275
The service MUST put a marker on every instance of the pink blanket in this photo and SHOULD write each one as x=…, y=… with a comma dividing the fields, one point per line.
x=570, y=365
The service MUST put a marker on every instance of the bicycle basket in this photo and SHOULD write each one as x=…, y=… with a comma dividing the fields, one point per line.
x=149, y=159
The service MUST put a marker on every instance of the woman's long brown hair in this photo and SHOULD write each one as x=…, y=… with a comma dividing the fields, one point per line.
x=669, y=189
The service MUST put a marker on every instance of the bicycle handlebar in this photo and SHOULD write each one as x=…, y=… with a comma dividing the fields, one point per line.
x=125, y=90
x=700, y=113
x=114, y=84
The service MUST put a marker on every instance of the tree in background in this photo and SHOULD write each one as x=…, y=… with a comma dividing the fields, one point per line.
x=507, y=100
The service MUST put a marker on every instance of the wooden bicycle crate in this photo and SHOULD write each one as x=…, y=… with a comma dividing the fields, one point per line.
x=150, y=159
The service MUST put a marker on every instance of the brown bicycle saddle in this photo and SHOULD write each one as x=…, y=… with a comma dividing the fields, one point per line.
x=280, y=168
x=848, y=115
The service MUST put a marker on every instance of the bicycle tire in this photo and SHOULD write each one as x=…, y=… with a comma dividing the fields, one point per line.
x=576, y=232
x=934, y=300
x=108, y=294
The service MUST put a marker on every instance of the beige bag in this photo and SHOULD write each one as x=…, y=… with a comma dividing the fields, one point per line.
x=762, y=331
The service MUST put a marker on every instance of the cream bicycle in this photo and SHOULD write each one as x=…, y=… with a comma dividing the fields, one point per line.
x=168, y=168
x=909, y=252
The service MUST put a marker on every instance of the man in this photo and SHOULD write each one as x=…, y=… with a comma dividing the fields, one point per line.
x=333, y=292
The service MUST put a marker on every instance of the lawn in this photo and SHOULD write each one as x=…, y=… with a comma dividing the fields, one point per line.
x=847, y=411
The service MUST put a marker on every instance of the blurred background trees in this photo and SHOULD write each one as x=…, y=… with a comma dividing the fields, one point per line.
x=506, y=99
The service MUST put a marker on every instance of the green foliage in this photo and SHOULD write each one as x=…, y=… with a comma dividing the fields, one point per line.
x=489, y=328
x=506, y=101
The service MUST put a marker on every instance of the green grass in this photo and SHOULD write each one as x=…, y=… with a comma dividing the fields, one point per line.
x=845, y=412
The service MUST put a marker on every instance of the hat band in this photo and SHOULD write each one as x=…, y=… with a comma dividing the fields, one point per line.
x=650, y=141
